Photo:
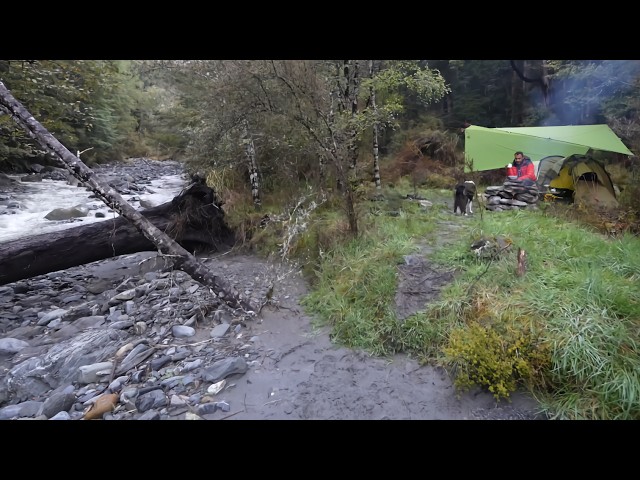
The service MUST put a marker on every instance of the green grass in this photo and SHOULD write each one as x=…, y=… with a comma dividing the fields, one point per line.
x=569, y=329
x=354, y=291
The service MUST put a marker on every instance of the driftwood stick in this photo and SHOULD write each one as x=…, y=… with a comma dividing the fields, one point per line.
x=522, y=262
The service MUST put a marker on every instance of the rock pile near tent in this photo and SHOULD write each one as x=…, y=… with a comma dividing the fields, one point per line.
x=510, y=196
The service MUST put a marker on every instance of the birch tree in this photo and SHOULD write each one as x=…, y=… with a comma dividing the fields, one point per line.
x=372, y=98
x=254, y=178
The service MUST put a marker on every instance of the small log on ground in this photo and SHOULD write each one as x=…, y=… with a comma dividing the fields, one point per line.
x=522, y=262
x=194, y=219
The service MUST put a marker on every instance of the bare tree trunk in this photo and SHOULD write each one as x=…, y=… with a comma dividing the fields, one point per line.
x=333, y=151
x=447, y=104
x=517, y=94
x=353, y=98
x=531, y=73
x=183, y=260
x=546, y=86
x=323, y=174
x=350, y=100
x=254, y=177
x=332, y=136
x=376, y=159
x=342, y=185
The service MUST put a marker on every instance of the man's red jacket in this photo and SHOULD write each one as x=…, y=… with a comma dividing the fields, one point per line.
x=526, y=169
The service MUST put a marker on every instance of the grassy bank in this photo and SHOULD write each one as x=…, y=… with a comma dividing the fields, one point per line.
x=567, y=330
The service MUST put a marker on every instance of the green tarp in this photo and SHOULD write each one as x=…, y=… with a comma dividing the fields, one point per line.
x=490, y=148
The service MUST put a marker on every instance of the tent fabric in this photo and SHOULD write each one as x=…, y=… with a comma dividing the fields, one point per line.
x=548, y=169
x=593, y=194
x=583, y=177
x=564, y=180
x=491, y=148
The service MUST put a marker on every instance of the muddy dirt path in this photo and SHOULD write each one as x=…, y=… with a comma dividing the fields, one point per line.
x=302, y=375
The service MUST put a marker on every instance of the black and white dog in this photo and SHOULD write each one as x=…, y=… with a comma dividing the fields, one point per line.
x=463, y=199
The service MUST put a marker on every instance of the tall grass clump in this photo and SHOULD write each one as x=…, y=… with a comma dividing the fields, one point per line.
x=578, y=306
x=356, y=281
x=354, y=293
x=567, y=327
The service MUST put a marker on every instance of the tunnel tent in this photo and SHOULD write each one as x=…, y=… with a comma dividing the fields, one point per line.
x=548, y=169
x=578, y=178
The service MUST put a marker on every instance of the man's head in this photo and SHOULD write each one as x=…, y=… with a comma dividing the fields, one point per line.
x=518, y=157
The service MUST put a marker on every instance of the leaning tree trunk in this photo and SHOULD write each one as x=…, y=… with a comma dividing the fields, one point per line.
x=183, y=260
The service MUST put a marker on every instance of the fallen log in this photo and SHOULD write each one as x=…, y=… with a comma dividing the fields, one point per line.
x=183, y=260
x=194, y=219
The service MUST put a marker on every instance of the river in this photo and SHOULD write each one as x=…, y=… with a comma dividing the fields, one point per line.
x=24, y=205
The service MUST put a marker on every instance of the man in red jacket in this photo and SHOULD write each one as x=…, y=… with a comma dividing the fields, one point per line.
x=522, y=169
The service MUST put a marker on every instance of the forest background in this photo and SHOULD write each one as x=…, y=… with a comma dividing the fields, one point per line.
x=285, y=141
x=294, y=114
